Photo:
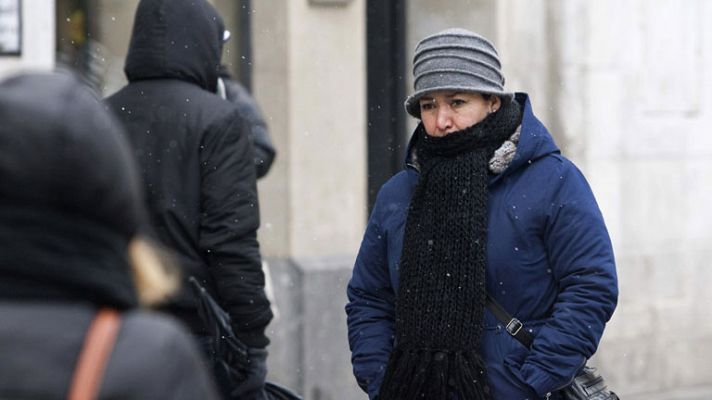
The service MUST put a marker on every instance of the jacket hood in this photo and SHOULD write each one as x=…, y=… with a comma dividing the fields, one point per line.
x=176, y=39
x=534, y=142
x=70, y=197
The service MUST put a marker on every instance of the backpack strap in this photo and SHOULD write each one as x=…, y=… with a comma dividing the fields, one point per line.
x=98, y=345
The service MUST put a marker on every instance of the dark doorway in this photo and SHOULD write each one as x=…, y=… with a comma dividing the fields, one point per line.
x=385, y=32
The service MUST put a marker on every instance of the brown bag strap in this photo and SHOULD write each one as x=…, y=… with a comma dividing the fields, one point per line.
x=98, y=344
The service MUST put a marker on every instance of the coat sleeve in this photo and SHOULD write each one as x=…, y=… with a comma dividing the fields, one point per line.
x=371, y=309
x=228, y=228
x=264, y=149
x=581, y=257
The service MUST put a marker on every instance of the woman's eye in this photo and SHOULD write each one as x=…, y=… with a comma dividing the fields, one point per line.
x=426, y=106
x=457, y=102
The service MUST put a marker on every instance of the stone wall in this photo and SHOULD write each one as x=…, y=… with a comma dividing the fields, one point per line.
x=310, y=351
x=625, y=87
x=309, y=76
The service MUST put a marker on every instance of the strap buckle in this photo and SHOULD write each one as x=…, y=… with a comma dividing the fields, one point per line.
x=514, y=326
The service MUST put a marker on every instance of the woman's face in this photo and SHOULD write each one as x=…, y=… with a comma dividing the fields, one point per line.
x=447, y=111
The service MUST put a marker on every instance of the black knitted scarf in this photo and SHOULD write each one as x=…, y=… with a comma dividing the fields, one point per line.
x=441, y=298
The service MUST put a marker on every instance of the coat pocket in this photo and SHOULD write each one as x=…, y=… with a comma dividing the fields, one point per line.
x=513, y=361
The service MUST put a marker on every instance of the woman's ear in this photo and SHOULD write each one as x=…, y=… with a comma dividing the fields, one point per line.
x=495, y=103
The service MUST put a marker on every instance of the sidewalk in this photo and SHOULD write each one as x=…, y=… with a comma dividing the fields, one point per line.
x=695, y=393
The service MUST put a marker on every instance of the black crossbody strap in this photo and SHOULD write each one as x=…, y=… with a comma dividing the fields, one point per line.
x=513, y=326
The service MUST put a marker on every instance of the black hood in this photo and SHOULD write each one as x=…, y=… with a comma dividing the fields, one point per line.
x=70, y=197
x=176, y=39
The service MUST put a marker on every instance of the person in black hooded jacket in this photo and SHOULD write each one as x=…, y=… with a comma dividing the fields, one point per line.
x=71, y=214
x=196, y=161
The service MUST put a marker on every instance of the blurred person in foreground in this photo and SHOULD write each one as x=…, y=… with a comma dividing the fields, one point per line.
x=197, y=167
x=70, y=215
x=485, y=205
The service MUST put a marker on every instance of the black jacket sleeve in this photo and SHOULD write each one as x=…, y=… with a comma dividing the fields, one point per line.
x=264, y=149
x=228, y=227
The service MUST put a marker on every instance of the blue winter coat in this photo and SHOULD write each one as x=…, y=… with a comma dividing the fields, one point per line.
x=549, y=263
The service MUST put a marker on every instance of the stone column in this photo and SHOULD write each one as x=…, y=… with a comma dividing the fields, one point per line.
x=309, y=78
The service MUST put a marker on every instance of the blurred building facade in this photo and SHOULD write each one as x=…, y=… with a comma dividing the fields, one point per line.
x=624, y=86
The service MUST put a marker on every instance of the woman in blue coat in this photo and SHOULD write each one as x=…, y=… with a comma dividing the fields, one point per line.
x=486, y=204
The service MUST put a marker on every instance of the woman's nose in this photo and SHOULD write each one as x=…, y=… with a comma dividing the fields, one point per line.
x=444, y=119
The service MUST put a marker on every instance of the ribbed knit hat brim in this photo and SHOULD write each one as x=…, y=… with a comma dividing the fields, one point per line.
x=455, y=59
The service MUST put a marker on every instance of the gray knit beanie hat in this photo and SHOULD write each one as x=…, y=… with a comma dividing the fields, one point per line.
x=455, y=59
